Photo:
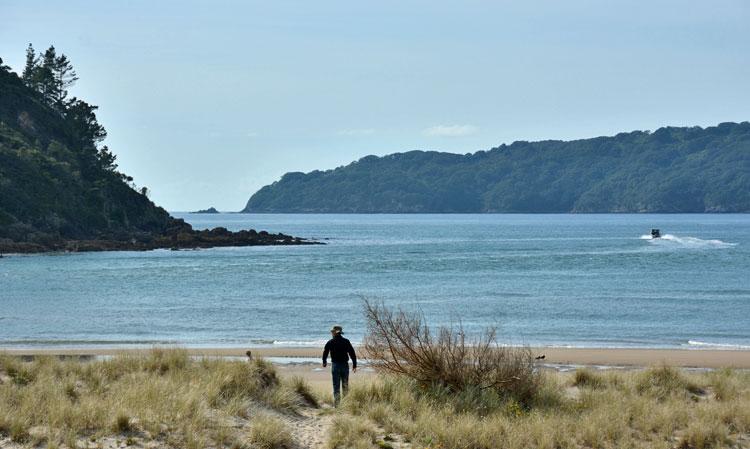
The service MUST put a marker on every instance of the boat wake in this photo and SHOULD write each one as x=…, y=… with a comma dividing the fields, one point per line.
x=687, y=242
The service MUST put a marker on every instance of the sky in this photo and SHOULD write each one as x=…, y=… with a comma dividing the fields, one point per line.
x=205, y=102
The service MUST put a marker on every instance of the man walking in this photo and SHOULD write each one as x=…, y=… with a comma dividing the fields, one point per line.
x=341, y=349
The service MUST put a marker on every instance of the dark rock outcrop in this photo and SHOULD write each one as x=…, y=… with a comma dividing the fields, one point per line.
x=178, y=237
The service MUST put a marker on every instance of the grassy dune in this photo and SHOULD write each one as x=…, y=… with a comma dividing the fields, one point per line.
x=659, y=407
x=167, y=399
x=164, y=396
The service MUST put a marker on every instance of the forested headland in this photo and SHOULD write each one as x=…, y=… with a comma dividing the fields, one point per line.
x=670, y=170
x=60, y=187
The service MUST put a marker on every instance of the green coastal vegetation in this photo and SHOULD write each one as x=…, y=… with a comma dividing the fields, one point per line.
x=60, y=187
x=670, y=170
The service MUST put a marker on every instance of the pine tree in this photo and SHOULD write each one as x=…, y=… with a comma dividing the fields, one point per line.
x=47, y=84
x=29, y=75
x=65, y=77
x=50, y=75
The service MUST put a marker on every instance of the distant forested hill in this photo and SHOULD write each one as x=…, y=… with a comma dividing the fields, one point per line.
x=669, y=170
x=60, y=188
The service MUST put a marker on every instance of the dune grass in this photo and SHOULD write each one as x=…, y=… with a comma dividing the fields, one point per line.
x=163, y=396
x=169, y=399
x=442, y=389
x=268, y=432
x=660, y=407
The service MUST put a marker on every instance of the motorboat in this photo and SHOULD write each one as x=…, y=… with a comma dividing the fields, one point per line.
x=655, y=234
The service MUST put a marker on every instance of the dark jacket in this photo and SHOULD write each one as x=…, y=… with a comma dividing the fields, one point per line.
x=341, y=349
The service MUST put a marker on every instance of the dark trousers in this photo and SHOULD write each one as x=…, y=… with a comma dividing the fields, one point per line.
x=340, y=374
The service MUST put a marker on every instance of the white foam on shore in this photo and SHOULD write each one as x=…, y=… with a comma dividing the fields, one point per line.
x=727, y=346
x=687, y=242
x=295, y=343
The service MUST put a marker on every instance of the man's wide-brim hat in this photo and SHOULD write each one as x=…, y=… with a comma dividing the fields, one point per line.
x=337, y=329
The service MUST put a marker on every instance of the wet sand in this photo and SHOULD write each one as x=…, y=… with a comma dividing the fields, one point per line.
x=688, y=358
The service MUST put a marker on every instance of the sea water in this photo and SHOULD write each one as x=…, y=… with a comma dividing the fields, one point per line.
x=559, y=280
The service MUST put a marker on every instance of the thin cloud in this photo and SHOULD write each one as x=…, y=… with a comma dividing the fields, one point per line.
x=450, y=130
x=356, y=132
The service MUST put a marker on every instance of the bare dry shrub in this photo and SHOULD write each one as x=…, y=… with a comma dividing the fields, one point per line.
x=400, y=342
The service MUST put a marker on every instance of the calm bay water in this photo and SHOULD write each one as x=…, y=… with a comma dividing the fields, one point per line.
x=569, y=280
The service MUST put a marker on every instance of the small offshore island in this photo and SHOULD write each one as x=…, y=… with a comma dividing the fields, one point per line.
x=60, y=190
x=210, y=210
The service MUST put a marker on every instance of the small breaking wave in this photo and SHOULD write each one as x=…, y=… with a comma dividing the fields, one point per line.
x=299, y=342
x=728, y=346
x=687, y=242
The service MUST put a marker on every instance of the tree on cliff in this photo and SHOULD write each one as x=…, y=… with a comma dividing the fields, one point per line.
x=64, y=77
x=30, y=69
x=82, y=119
x=51, y=76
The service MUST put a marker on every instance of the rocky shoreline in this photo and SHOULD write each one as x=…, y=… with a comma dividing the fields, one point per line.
x=183, y=240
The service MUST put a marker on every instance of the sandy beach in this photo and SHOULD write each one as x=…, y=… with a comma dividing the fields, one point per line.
x=685, y=358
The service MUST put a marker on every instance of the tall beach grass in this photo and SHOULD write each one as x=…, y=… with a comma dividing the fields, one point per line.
x=661, y=407
x=163, y=396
